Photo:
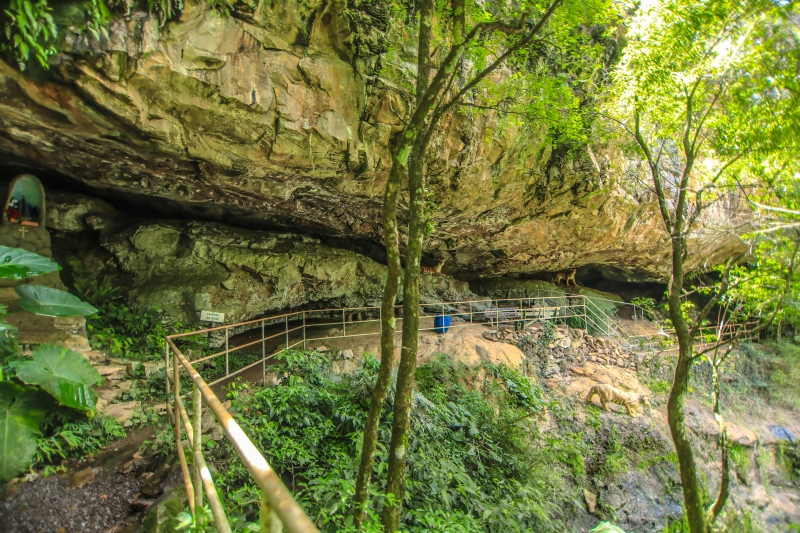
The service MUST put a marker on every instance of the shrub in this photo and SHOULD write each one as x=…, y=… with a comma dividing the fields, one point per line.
x=476, y=461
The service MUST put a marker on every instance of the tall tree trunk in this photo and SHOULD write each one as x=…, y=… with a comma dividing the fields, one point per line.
x=408, y=355
x=692, y=491
x=388, y=323
x=459, y=21
x=724, y=450
x=396, y=482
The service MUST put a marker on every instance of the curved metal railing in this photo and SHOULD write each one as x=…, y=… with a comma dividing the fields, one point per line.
x=309, y=329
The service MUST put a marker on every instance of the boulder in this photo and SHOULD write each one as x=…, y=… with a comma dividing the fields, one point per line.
x=741, y=435
x=591, y=500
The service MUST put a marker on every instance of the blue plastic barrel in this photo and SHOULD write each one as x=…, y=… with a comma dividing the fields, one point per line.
x=441, y=323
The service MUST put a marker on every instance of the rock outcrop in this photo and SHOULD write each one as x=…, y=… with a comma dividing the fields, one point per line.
x=282, y=117
x=184, y=267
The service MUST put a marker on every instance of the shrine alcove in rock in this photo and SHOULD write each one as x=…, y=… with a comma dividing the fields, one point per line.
x=23, y=225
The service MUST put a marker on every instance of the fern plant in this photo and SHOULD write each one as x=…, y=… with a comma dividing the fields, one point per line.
x=30, y=29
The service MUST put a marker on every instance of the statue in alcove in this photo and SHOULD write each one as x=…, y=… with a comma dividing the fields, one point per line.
x=23, y=225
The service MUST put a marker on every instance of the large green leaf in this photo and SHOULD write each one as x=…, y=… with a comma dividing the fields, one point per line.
x=52, y=302
x=16, y=263
x=64, y=374
x=21, y=412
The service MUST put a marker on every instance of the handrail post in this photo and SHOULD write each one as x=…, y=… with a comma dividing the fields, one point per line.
x=304, y=330
x=197, y=447
x=286, y=321
x=166, y=370
x=270, y=523
x=176, y=382
x=227, y=353
x=344, y=324
x=263, y=356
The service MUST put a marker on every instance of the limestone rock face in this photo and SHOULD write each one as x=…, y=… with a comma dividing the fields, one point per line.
x=283, y=115
x=185, y=267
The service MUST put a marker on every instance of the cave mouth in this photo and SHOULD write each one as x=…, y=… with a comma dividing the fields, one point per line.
x=607, y=278
x=140, y=206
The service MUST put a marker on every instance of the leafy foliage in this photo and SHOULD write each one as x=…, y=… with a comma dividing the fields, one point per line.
x=648, y=305
x=32, y=386
x=21, y=412
x=16, y=263
x=69, y=434
x=47, y=301
x=30, y=28
x=125, y=332
x=475, y=459
x=65, y=374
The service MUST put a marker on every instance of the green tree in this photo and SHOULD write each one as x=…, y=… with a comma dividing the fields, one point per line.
x=708, y=93
x=452, y=62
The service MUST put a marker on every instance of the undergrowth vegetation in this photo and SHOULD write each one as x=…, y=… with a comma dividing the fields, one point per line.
x=67, y=436
x=479, y=459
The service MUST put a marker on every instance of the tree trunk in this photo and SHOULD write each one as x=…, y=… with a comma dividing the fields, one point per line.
x=692, y=492
x=724, y=450
x=388, y=322
x=459, y=21
x=408, y=355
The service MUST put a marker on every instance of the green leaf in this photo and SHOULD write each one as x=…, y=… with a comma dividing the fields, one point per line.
x=16, y=263
x=65, y=374
x=21, y=413
x=52, y=302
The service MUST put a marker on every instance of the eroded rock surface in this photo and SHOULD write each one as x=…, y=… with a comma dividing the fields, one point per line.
x=184, y=267
x=283, y=115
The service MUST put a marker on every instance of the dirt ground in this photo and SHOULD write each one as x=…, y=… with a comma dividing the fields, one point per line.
x=91, y=497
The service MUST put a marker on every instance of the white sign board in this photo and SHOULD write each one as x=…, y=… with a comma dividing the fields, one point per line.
x=212, y=316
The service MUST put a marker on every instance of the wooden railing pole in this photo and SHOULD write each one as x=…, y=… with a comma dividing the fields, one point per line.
x=227, y=353
x=176, y=382
x=220, y=520
x=304, y=330
x=291, y=515
x=270, y=523
x=263, y=356
x=197, y=450
x=166, y=370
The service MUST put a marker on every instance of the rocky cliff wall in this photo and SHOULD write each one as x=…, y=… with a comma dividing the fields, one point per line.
x=282, y=116
x=183, y=267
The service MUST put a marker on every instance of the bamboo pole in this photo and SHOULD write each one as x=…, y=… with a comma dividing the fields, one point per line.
x=227, y=353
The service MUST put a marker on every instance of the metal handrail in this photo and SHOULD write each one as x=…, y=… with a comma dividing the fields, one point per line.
x=278, y=507
x=277, y=504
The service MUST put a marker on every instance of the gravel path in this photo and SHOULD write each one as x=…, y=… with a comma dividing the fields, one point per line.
x=48, y=505
x=100, y=496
